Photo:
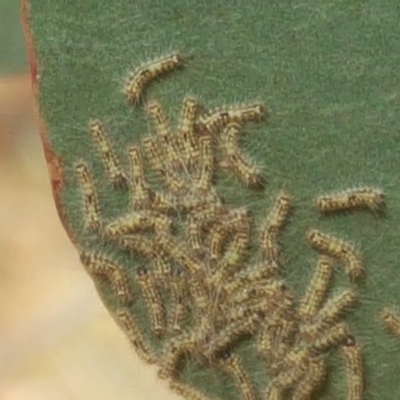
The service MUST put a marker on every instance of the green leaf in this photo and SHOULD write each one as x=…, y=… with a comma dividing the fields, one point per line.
x=328, y=73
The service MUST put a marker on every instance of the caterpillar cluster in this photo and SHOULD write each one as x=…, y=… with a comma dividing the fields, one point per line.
x=201, y=292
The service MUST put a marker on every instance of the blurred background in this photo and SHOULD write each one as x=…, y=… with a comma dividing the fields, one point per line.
x=57, y=342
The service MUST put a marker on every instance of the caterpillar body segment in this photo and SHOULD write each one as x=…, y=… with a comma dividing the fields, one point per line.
x=216, y=119
x=344, y=251
x=98, y=264
x=129, y=325
x=91, y=208
x=353, y=358
x=163, y=129
x=152, y=296
x=317, y=289
x=273, y=225
x=141, y=194
x=245, y=169
x=148, y=71
x=391, y=320
x=186, y=131
x=363, y=197
x=233, y=366
x=109, y=157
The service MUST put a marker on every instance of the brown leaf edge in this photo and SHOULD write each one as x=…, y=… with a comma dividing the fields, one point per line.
x=54, y=163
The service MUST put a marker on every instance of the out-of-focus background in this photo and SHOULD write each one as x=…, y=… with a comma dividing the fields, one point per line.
x=57, y=341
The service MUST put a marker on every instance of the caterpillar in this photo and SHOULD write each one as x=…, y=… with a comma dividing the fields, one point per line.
x=111, y=162
x=89, y=196
x=149, y=71
x=363, y=197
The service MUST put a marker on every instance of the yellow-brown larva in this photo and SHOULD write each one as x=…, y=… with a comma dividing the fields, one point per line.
x=355, y=268
x=161, y=268
x=204, y=182
x=89, y=196
x=146, y=247
x=233, y=331
x=328, y=243
x=273, y=393
x=216, y=239
x=249, y=299
x=333, y=338
x=233, y=255
x=274, y=291
x=275, y=337
x=208, y=210
x=236, y=217
x=153, y=155
x=392, y=320
x=181, y=255
x=232, y=364
x=247, y=277
x=264, y=345
x=272, y=347
x=352, y=355
x=97, y=263
x=274, y=222
x=317, y=289
x=185, y=135
x=141, y=193
x=279, y=212
x=245, y=169
x=241, y=238
x=178, y=301
x=233, y=219
x=152, y=296
x=164, y=202
x=129, y=325
x=230, y=223
x=164, y=133
x=270, y=245
x=161, y=122
x=238, y=246
x=172, y=353
x=193, y=233
x=111, y=162
x=208, y=206
x=128, y=224
x=312, y=380
x=199, y=291
x=175, y=183
x=161, y=166
x=136, y=221
x=139, y=244
x=294, y=367
x=330, y=314
x=216, y=119
x=187, y=391
x=363, y=197
x=161, y=223
x=344, y=251
x=149, y=71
